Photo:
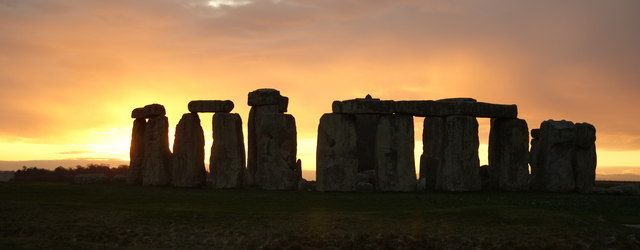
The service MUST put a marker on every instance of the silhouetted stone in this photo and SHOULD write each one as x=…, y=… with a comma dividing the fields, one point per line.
x=336, y=158
x=136, y=152
x=149, y=111
x=157, y=156
x=456, y=106
x=263, y=97
x=395, y=165
x=432, y=148
x=366, y=127
x=216, y=106
x=227, y=163
x=365, y=105
x=584, y=157
x=458, y=99
x=553, y=164
x=485, y=179
x=188, y=153
x=459, y=170
x=535, y=133
x=276, y=167
x=508, y=154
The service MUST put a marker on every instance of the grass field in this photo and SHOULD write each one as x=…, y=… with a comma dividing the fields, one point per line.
x=43, y=215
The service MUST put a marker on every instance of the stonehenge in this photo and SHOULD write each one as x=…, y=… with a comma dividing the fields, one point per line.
x=563, y=157
x=364, y=144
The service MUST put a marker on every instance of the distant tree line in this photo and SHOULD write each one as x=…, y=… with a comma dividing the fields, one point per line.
x=62, y=174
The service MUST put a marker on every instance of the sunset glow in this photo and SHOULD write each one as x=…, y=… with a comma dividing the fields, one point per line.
x=70, y=82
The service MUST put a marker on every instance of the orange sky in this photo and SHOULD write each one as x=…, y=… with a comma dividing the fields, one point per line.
x=72, y=70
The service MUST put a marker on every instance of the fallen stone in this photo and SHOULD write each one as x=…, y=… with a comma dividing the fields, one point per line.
x=553, y=163
x=227, y=162
x=276, y=167
x=432, y=147
x=149, y=111
x=459, y=171
x=188, y=153
x=136, y=152
x=367, y=105
x=451, y=108
x=216, y=106
x=508, y=154
x=156, y=170
x=584, y=157
x=395, y=165
x=336, y=155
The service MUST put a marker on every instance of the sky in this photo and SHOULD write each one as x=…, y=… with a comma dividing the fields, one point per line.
x=71, y=71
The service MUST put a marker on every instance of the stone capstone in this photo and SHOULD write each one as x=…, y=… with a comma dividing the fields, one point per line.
x=156, y=170
x=149, y=111
x=367, y=105
x=227, y=163
x=336, y=153
x=459, y=170
x=456, y=106
x=264, y=97
x=136, y=152
x=188, y=153
x=212, y=106
x=395, y=166
x=508, y=154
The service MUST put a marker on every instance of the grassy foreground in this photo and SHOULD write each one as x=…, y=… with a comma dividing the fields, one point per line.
x=42, y=215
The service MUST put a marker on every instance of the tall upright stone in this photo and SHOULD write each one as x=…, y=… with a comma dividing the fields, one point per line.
x=554, y=151
x=459, y=170
x=336, y=153
x=432, y=150
x=395, y=164
x=262, y=102
x=156, y=170
x=584, y=157
x=227, y=163
x=508, y=154
x=188, y=153
x=276, y=146
x=366, y=127
x=136, y=152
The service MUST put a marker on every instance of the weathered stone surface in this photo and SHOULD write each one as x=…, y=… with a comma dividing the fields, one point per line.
x=553, y=163
x=508, y=154
x=254, y=113
x=227, y=162
x=395, y=165
x=156, y=169
x=432, y=149
x=149, y=111
x=584, y=157
x=367, y=105
x=136, y=152
x=336, y=153
x=262, y=97
x=188, y=153
x=366, y=127
x=455, y=107
x=276, y=167
x=216, y=106
x=459, y=170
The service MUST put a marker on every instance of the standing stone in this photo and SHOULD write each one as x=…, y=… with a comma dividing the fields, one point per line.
x=395, y=165
x=188, y=153
x=336, y=155
x=508, y=154
x=432, y=147
x=554, y=170
x=136, y=152
x=276, y=152
x=227, y=163
x=584, y=157
x=366, y=126
x=459, y=170
x=157, y=156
